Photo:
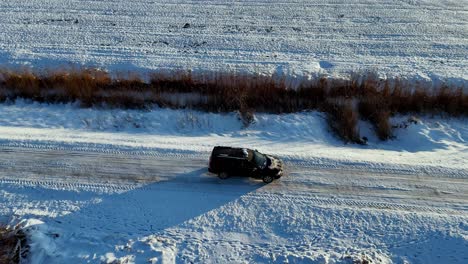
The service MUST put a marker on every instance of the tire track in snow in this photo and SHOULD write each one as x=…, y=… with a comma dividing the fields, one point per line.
x=115, y=173
x=72, y=185
x=299, y=198
x=76, y=149
x=350, y=202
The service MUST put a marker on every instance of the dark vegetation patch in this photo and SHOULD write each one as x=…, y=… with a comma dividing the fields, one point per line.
x=343, y=119
x=12, y=245
x=344, y=100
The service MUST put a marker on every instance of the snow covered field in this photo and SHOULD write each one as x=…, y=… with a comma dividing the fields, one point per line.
x=104, y=185
x=423, y=38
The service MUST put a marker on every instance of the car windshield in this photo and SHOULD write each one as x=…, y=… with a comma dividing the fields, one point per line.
x=259, y=159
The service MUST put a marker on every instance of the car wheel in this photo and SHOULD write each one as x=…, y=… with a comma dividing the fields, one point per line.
x=223, y=175
x=267, y=178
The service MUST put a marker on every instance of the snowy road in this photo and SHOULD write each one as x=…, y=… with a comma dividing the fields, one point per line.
x=95, y=169
x=171, y=206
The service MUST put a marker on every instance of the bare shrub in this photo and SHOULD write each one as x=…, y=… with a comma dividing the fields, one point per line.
x=382, y=125
x=343, y=120
x=464, y=104
x=376, y=110
x=12, y=245
x=226, y=92
x=450, y=101
x=247, y=116
x=23, y=84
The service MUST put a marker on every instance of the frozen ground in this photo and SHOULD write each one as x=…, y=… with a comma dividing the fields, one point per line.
x=114, y=186
x=434, y=143
x=423, y=38
x=105, y=185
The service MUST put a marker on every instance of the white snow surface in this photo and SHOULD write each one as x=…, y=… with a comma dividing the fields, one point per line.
x=433, y=141
x=425, y=39
x=41, y=244
x=131, y=186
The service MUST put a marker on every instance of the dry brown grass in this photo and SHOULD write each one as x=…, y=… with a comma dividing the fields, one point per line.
x=8, y=246
x=343, y=119
x=376, y=110
x=376, y=99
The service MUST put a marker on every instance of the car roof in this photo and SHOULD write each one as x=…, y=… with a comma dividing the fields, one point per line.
x=232, y=152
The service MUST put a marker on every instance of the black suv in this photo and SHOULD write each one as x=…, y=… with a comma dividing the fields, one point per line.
x=227, y=161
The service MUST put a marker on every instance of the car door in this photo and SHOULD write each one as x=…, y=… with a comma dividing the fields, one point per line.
x=246, y=168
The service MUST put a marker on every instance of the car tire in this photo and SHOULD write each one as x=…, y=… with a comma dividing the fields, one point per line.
x=223, y=175
x=267, y=179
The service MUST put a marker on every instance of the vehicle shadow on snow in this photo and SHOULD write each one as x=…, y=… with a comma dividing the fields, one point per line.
x=114, y=219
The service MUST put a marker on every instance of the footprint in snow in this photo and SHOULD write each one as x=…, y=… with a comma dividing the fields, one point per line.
x=325, y=65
